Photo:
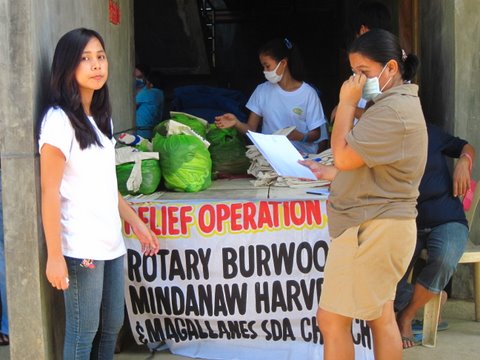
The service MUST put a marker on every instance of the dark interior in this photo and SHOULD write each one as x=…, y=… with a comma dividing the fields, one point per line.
x=175, y=41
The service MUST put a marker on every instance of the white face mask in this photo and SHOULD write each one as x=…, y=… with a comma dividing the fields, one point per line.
x=372, y=86
x=272, y=75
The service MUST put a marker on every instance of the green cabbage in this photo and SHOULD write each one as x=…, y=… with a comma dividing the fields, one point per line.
x=185, y=162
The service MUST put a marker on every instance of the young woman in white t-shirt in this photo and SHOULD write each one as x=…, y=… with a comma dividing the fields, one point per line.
x=284, y=100
x=81, y=207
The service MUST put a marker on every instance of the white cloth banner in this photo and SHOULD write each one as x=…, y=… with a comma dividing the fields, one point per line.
x=233, y=279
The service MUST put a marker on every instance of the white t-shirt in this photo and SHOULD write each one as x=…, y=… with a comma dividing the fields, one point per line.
x=90, y=220
x=279, y=109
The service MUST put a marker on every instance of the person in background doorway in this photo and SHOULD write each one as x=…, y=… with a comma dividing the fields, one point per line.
x=372, y=205
x=4, y=333
x=81, y=207
x=284, y=100
x=149, y=101
x=371, y=15
x=442, y=228
x=368, y=15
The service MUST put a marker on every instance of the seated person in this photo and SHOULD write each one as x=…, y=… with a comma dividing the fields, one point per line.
x=284, y=100
x=441, y=226
x=149, y=101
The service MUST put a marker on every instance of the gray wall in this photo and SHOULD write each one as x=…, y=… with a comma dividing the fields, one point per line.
x=29, y=30
x=467, y=109
x=437, y=56
x=467, y=76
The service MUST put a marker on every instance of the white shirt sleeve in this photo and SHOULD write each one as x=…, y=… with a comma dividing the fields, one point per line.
x=56, y=130
x=254, y=104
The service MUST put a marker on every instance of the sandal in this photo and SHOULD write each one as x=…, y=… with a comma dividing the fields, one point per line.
x=4, y=340
x=417, y=326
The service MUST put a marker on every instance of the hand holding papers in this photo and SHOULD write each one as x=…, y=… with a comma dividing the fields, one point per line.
x=281, y=154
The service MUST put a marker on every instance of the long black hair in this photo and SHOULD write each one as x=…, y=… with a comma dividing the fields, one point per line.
x=65, y=93
x=382, y=46
x=279, y=49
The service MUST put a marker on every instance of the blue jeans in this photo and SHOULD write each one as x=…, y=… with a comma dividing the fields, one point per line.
x=445, y=245
x=3, y=275
x=94, y=304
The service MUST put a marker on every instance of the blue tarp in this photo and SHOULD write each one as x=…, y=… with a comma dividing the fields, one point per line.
x=207, y=102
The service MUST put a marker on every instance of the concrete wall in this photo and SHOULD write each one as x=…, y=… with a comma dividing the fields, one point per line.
x=29, y=30
x=467, y=109
x=437, y=56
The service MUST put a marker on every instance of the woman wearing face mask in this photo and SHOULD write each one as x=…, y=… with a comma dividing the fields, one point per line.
x=284, y=100
x=372, y=206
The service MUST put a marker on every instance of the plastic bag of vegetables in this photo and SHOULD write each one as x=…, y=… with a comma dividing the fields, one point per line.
x=137, y=172
x=197, y=124
x=227, y=150
x=185, y=162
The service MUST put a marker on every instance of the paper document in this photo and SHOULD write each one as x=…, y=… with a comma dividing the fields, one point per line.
x=284, y=131
x=281, y=155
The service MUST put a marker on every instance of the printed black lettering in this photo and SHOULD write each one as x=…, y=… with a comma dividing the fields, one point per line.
x=180, y=328
x=170, y=331
x=154, y=330
x=306, y=247
x=263, y=257
x=262, y=303
x=176, y=267
x=229, y=257
x=139, y=299
x=281, y=257
x=134, y=261
x=149, y=268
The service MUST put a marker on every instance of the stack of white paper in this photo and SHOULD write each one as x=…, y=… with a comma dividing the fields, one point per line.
x=281, y=154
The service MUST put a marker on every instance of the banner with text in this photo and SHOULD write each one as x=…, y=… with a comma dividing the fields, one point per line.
x=232, y=280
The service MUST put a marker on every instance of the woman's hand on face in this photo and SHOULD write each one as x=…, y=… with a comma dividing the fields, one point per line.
x=57, y=272
x=149, y=241
x=226, y=121
x=351, y=91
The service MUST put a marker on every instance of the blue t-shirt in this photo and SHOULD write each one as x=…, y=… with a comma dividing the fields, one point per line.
x=436, y=203
x=149, y=112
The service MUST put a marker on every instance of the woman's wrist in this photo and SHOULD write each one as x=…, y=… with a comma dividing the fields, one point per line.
x=469, y=158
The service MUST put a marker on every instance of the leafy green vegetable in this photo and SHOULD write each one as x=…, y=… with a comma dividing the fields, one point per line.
x=185, y=162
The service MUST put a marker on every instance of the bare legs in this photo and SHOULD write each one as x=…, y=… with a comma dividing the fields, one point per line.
x=337, y=334
x=387, y=342
x=420, y=297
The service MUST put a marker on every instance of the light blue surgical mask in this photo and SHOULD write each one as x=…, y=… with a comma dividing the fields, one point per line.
x=372, y=86
x=139, y=83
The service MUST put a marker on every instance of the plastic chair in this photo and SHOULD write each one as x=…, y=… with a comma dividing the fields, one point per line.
x=471, y=255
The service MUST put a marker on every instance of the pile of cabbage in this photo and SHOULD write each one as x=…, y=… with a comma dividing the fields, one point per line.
x=184, y=159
